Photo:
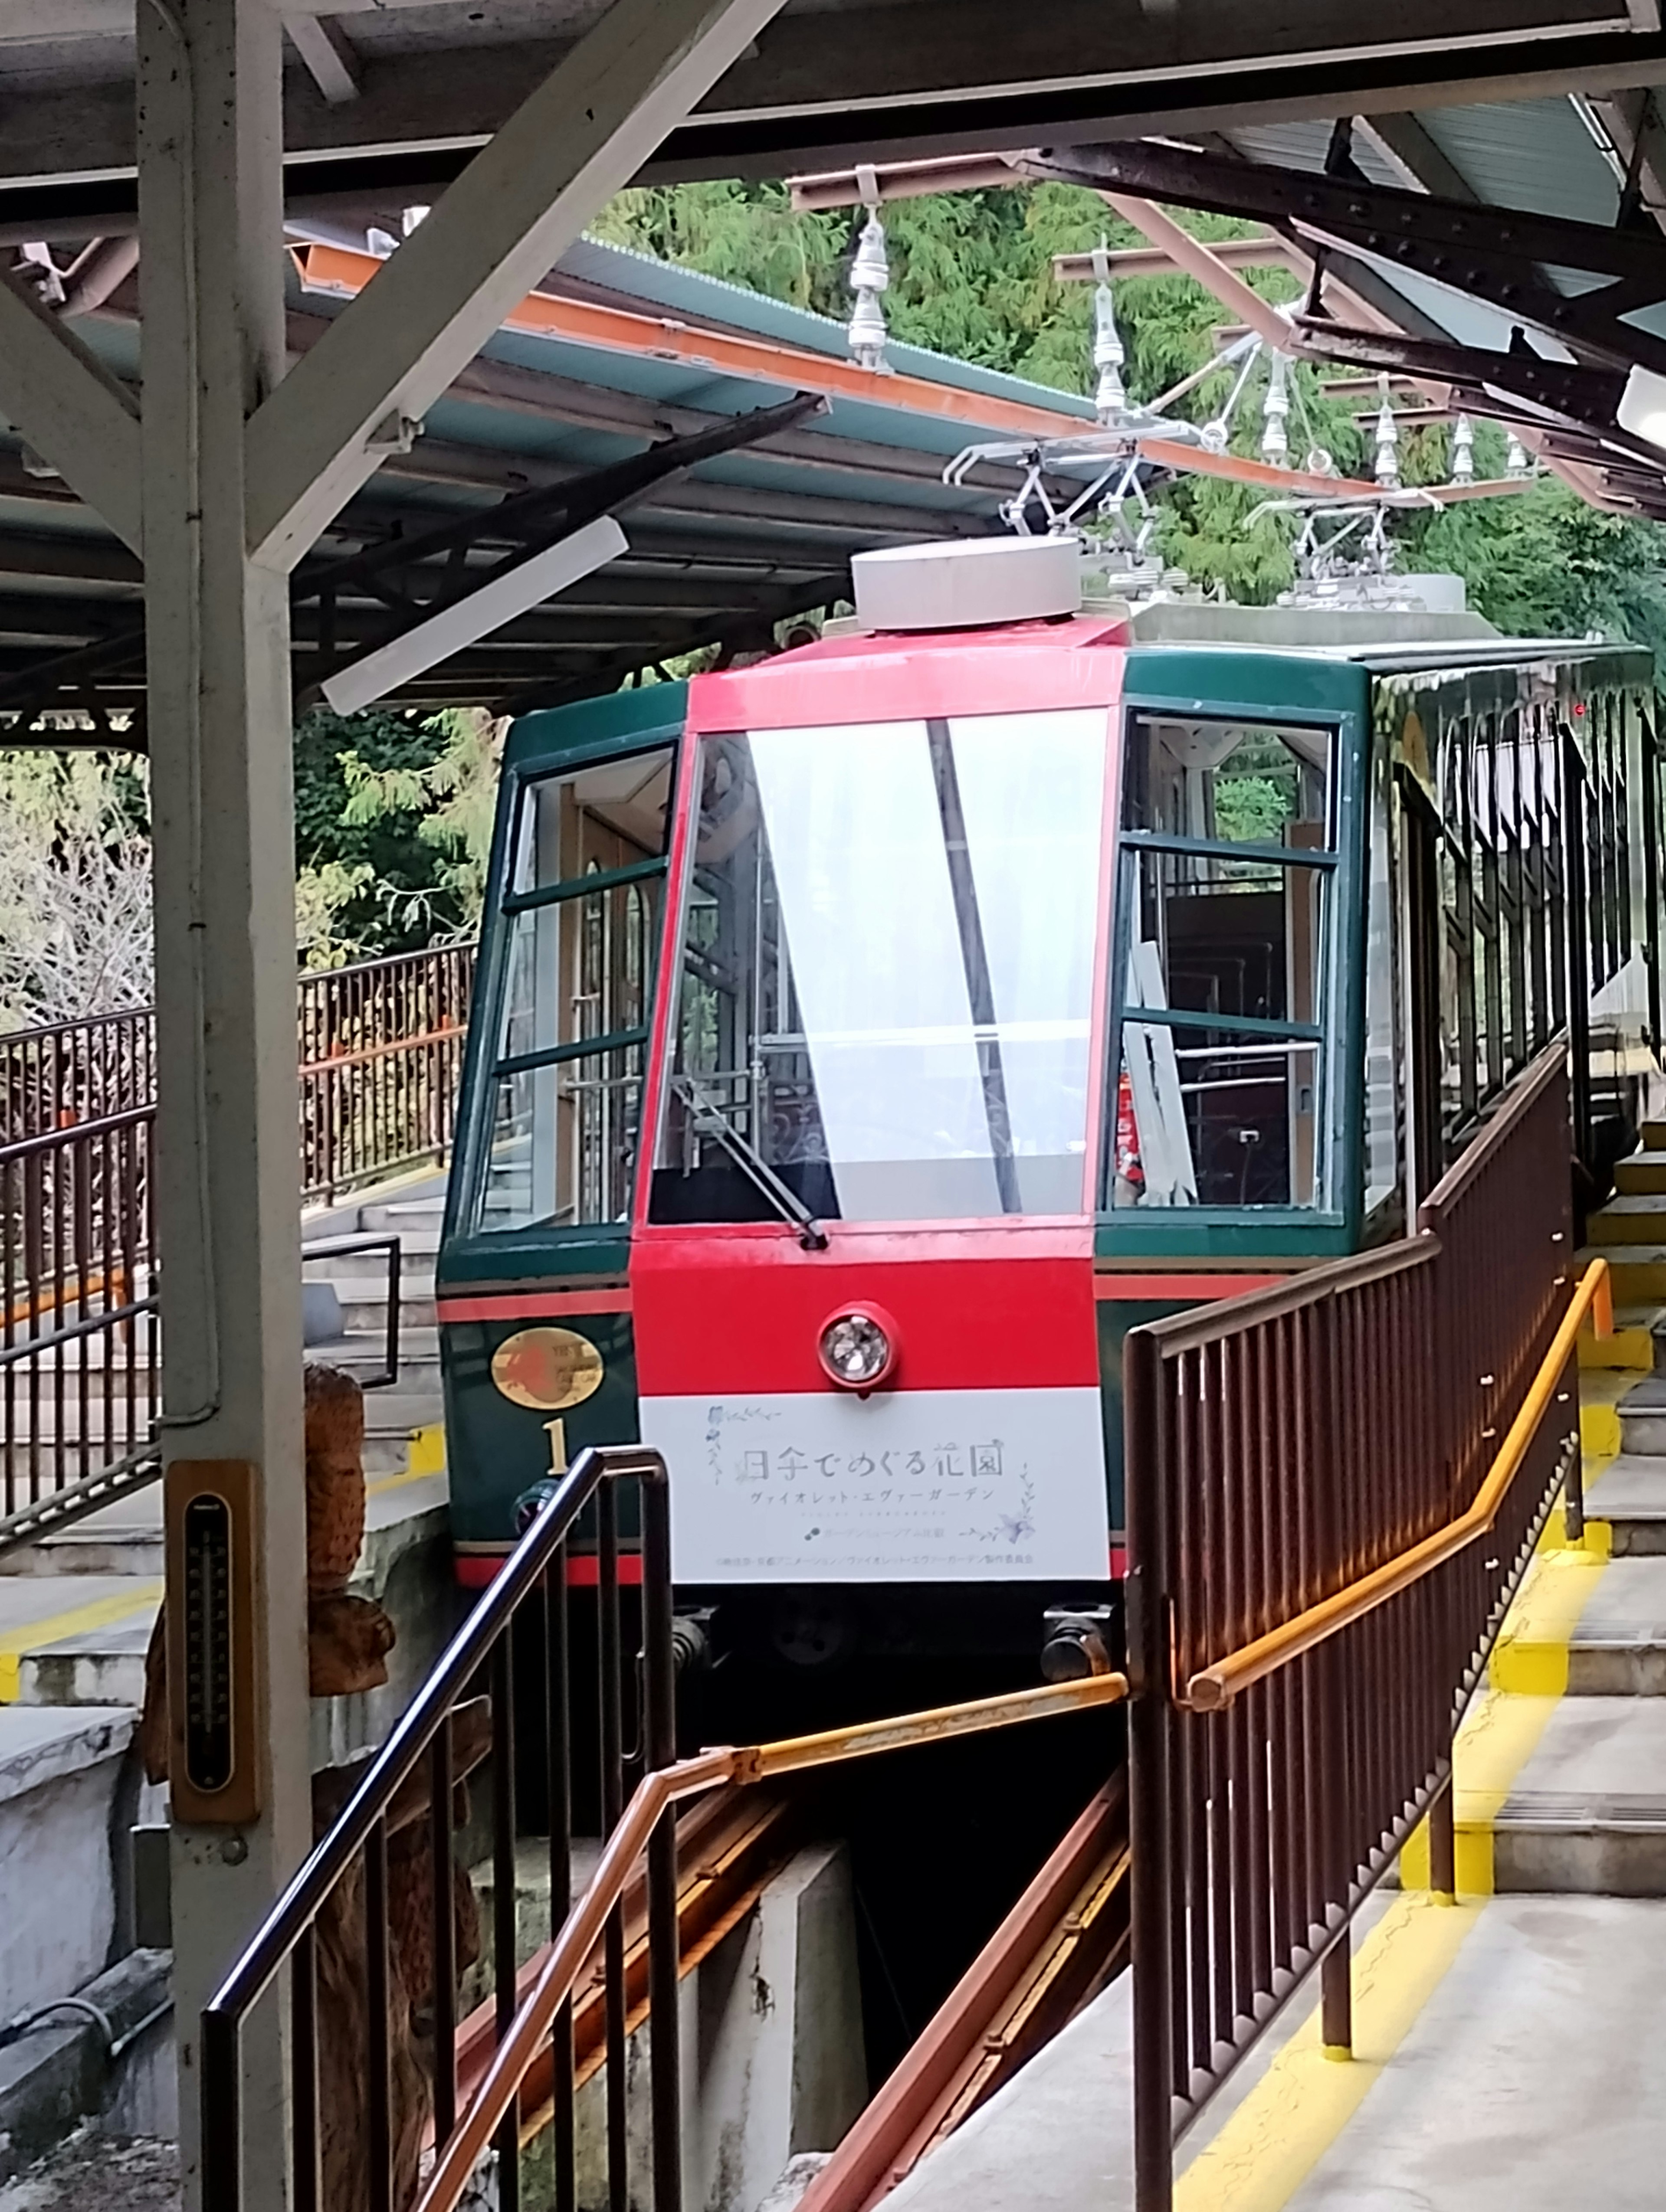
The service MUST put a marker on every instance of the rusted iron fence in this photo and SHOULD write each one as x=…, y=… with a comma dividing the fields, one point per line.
x=79, y=1377
x=1280, y=1448
x=381, y=1057
x=380, y=1047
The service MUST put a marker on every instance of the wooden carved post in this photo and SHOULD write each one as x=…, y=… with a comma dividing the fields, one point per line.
x=343, y=2087
x=348, y=1637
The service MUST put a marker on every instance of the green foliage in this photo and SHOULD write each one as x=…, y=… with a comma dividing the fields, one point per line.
x=1251, y=810
x=394, y=818
x=1544, y=564
x=745, y=233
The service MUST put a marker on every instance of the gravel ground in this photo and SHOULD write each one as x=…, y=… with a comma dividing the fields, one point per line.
x=95, y=2173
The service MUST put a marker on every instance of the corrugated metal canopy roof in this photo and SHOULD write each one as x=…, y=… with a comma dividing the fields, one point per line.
x=1537, y=154
x=617, y=357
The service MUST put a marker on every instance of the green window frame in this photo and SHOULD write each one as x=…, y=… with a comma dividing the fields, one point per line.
x=596, y=1068
x=1329, y=1198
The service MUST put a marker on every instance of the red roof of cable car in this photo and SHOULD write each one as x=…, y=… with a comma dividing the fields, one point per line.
x=885, y=676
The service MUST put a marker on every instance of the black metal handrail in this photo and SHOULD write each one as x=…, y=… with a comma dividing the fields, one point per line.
x=98, y=1324
x=80, y=1368
x=341, y=1248
x=359, y=1834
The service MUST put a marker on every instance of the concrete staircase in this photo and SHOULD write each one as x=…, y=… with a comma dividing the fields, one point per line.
x=1578, y=1698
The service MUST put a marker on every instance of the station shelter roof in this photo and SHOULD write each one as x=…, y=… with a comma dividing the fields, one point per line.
x=597, y=384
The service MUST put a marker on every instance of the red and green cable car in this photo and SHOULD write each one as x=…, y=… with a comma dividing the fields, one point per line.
x=869, y=1036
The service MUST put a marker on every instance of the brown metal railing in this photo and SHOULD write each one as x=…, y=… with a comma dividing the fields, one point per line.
x=382, y=1058
x=1310, y=1470
x=79, y=1377
x=635, y=1799
x=381, y=1054
x=79, y=1387
x=550, y=1993
x=72, y=1072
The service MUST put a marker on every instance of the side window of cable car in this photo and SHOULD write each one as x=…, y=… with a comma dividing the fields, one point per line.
x=580, y=920
x=1228, y=853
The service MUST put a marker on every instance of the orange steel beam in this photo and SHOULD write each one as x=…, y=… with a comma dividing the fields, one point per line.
x=1191, y=256
x=902, y=180
x=1239, y=468
x=335, y=269
x=615, y=329
x=903, y=2119
x=1214, y=1688
x=517, y=2054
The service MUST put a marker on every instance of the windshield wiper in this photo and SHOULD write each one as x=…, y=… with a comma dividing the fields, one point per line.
x=710, y=1121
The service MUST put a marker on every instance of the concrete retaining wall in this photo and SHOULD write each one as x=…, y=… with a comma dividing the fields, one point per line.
x=773, y=2060
x=61, y=1777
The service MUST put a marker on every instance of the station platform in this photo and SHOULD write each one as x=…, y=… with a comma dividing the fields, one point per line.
x=77, y=1607
x=1505, y=2046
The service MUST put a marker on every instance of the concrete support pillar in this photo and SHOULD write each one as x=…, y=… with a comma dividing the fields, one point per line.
x=219, y=718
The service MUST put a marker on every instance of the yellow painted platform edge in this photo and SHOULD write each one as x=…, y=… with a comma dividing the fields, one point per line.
x=1631, y=1349
x=15, y=1644
x=1528, y=1671
x=427, y=1455
x=1599, y=1428
x=1273, y=2142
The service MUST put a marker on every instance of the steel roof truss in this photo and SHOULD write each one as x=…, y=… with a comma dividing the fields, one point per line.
x=576, y=140
x=1495, y=254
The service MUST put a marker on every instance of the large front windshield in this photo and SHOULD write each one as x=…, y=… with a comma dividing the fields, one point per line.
x=887, y=972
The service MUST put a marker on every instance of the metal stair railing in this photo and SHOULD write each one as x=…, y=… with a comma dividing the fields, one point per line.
x=1312, y=1472
x=532, y=2007
x=347, y=1869
x=380, y=1046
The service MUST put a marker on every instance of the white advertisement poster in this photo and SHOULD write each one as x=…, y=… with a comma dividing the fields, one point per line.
x=927, y=1485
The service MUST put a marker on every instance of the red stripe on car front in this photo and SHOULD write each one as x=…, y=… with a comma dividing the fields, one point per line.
x=477, y=1570
x=890, y=679
x=739, y=1312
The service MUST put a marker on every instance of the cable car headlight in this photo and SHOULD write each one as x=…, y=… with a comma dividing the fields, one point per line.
x=858, y=1348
